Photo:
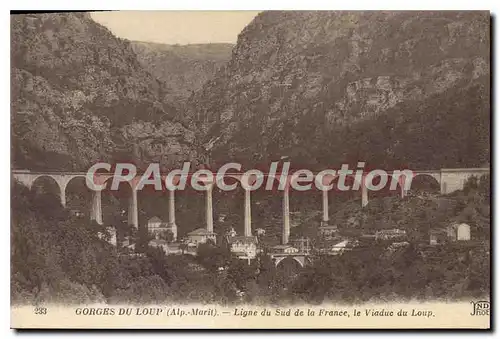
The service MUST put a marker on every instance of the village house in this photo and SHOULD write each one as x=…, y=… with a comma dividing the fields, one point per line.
x=243, y=247
x=302, y=244
x=200, y=236
x=343, y=246
x=339, y=248
x=398, y=245
x=159, y=243
x=328, y=232
x=389, y=234
x=458, y=232
x=437, y=236
x=451, y=233
x=191, y=248
x=286, y=249
x=174, y=248
x=155, y=225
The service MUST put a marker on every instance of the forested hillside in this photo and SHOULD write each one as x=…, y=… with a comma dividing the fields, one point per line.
x=183, y=68
x=79, y=95
x=322, y=88
x=392, y=88
x=57, y=258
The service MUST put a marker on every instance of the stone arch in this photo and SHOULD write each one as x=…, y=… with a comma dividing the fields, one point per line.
x=78, y=194
x=115, y=203
x=399, y=183
x=278, y=260
x=190, y=206
x=427, y=182
x=298, y=259
x=267, y=210
x=41, y=183
x=301, y=260
x=391, y=180
x=153, y=203
x=229, y=206
x=108, y=181
x=25, y=178
x=338, y=196
x=306, y=207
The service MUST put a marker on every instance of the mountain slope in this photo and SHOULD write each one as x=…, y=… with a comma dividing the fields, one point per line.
x=328, y=87
x=79, y=95
x=184, y=69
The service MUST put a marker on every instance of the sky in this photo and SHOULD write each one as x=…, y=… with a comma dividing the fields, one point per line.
x=176, y=27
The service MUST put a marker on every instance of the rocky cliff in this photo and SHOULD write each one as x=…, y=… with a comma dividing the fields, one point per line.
x=183, y=68
x=391, y=88
x=79, y=95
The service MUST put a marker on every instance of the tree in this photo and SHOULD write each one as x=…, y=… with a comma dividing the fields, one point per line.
x=241, y=272
x=213, y=257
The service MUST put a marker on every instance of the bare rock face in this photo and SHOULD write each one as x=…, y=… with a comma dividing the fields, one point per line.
x=183, y=68
x=79, y=95
x=319, y=87
x=327, y=87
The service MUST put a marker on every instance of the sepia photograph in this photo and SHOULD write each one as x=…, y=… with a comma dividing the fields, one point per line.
x=250, y=169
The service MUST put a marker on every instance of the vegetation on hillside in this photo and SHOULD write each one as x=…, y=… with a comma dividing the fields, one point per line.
x=393, y=89
x=59, y=258
x=324, y=88
x=79, y=95
x=184, y=69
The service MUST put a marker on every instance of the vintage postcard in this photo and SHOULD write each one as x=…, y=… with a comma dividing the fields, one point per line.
x=251, y=169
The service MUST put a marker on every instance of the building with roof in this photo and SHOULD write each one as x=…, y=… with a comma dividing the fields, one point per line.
x=302, y=244
x=339, y=248
x=174, y=248
x=200, y=236
x=157, y=226
x=328, y=231
x=284, y=249
x=243, y=247
x=390, y=234
x=451, y=233
x=438, y=236
x=458, y=232
x=159, y=243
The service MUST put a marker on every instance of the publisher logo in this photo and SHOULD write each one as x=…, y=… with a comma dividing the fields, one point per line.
x=480, y=308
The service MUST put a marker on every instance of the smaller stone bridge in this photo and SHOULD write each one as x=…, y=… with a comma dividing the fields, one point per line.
x=301, y=258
